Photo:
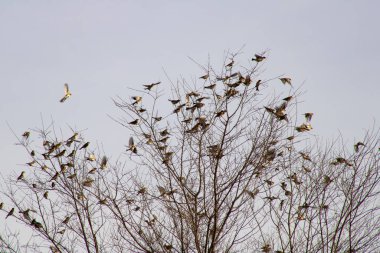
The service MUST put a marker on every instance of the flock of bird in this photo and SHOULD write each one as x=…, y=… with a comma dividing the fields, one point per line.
x=193, y=101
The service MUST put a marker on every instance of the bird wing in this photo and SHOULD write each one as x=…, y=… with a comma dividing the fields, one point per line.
x=66, y=87
x=131, y=142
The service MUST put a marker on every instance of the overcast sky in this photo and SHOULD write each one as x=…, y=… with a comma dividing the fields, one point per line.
x=102, y=47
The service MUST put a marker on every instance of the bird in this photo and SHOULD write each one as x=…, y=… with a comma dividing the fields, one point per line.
x=220, y=113
x=66, y=220
x=204, y=76
x=137, y=100
x=88, y=182
x=10, y=213
x=1, y=205
x=132, y=146
x=287, y=99
x=31, y=163
x=103, y=163
x=91, y=158
x=164, y=132
x=46, y=195
x=67, y=93
x=258, y=83
x=36, y=224
x=305, y=156
x=150, y=86
x=252, y=194
x=72, y=153
x=60, y=154
x=304, y=127
x=21, y=176
x=286, y=80
x=134, y=122
x=85, y=145
x=308, y=116
x=357, y=145
x=72, y=176
x=32, y=153
x=55, y=176
x=157, y=118
x=247, y=80
x=211, y=86
x=72, y=139
x=258, y=58
x=229, y=65
x=26, y=214
x=26, y=134
x=174, y=101
x=193, y=94
x=327, y=180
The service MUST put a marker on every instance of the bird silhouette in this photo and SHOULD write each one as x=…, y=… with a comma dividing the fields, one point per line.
x=286, y=80
x=137, y=100
x=174, y=101
x=204, y=77
x=258, y=58
x=157, y=118
x=134, y=122
x=26, y=134
x=103, y=163
x=10, y=213
x=150, y=86
x=258, y=83
x=210, y=87
x=85, y=145
x=357, y=145
x=132, y=147
x=229, y=65
x=21, y=176
x=308, y=116
x=67, y=93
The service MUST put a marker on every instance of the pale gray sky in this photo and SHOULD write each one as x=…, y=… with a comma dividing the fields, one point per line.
x=101, y=47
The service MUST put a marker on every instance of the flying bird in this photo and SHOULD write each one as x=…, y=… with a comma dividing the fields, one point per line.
x=67, y=93
x=103, y=163
x=258, y=83
x=150, y=86
x=357, y=145
x=286, y=80
x=132, y=146
x=137, y=100
x=308, y=116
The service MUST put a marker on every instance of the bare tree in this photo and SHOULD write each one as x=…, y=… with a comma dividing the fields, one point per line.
x=222, y=165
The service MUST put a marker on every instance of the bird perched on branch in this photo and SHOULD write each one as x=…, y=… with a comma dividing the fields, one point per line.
x=26, y=134
x=67, y=93
x=258, y=58
x=21, y=176
x=10, y=213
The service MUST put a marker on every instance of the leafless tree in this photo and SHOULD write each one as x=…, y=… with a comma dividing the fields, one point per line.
x=225, y=165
